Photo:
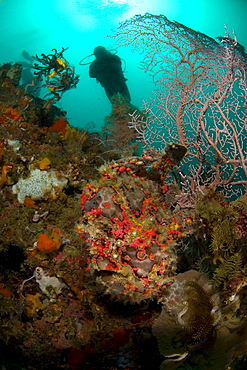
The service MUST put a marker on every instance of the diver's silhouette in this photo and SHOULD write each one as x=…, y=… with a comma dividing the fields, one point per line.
x=107, y=70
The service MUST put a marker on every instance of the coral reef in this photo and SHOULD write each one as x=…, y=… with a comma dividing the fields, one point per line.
x=51, y=314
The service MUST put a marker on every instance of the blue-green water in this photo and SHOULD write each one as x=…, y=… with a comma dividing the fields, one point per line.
x=39, y=26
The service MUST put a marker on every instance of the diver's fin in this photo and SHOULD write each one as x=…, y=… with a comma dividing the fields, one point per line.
x=26, y=55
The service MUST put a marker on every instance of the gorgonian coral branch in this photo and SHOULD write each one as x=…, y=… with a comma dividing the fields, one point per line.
x=199, y=100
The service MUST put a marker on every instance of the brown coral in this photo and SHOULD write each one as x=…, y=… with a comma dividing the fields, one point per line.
x=117, y=124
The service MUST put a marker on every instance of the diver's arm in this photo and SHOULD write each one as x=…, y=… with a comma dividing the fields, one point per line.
x=92, y=71
x=95, y=71
x=115, y=65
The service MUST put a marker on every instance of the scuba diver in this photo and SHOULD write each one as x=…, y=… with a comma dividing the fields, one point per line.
x=107, y=70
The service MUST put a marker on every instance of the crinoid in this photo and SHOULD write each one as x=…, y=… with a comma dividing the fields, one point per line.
x=224, y=223
x=229, y=270
x=196, y=317
x=204, y=264
x=187, y=322
x=225, y=237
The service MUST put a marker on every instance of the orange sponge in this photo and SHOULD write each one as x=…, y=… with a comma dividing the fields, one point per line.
x=48, y=243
